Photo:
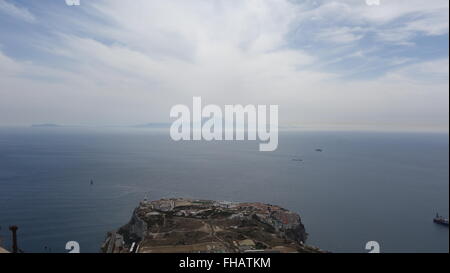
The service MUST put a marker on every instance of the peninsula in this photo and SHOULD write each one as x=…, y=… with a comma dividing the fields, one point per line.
x=204, y=226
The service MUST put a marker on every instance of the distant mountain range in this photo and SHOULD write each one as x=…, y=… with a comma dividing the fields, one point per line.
x=153, y=125
x=46, y=125
x=146, y=125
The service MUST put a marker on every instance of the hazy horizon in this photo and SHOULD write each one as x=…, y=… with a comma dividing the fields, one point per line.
x=315, y=128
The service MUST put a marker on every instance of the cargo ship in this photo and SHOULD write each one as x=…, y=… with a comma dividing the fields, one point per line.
x=440, y=220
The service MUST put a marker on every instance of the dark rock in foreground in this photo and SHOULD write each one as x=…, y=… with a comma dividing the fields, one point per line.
x=188, y=226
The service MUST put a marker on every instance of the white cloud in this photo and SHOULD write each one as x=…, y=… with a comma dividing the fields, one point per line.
x=429, y=72
x=146, y=56
x=396, y=21
x=16, y=11
x=342, y=35
x=8, y=66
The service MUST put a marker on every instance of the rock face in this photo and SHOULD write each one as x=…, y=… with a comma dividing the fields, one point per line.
x=187, y=226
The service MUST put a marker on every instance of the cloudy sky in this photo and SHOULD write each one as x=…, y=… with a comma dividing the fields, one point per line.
x=326, y=63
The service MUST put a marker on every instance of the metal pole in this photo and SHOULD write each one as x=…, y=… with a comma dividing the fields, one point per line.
x=14, y=238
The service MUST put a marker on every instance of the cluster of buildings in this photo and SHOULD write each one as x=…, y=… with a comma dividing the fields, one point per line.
x=275, y=216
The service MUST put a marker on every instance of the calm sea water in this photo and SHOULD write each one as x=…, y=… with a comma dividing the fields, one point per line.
x=385, y=187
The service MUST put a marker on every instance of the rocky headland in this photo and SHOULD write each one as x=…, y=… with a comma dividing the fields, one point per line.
x=204, y=226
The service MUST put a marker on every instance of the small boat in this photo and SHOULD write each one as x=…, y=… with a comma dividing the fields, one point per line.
x=440, y=220
x=92, y=182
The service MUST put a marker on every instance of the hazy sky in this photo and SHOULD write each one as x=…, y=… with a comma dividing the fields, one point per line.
x=326, y=63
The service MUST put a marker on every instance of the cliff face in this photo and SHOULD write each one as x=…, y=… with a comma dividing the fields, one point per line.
x=184, y=225
x=136, y=229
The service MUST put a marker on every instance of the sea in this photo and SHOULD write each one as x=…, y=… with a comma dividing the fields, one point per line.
x=348, y=187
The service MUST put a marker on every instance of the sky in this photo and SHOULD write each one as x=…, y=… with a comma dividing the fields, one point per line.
x=327, y=64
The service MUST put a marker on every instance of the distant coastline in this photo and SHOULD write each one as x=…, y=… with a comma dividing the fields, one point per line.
x=46, y=125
